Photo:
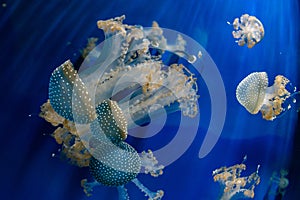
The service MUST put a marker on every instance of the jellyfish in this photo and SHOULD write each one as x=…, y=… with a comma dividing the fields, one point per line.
x=111, y=160
x=235, y=185
x=247, y=30
x=117, y=85
x=254, y=94
x=277, y=185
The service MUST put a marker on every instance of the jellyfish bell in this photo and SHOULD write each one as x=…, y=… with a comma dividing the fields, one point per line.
x=247, y=30
x=254, y=94
x=251, y=91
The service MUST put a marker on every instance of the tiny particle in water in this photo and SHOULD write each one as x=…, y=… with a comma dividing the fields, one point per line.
x=53, y=154
x=4, y=5
x=289, y=106
x=294, y=100
x=200, y=54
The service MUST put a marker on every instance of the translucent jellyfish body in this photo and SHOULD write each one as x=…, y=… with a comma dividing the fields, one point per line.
x=254, y=94
x=247, y=30
x=235, y=185
x=277, y=185
x=115, y=87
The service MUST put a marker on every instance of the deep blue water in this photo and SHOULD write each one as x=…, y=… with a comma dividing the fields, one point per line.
x=37, y=36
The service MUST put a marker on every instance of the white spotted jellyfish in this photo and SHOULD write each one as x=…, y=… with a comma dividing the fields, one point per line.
x=114, y=162
x=247, y=30
x=94, y=110
x=254, y=94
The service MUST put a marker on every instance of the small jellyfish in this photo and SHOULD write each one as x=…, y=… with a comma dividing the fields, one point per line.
x=277, y=185
x=247, y=30
x=235, y=185
x=254, y=94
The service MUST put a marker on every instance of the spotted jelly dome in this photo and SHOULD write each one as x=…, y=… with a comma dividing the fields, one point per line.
x=251, y=91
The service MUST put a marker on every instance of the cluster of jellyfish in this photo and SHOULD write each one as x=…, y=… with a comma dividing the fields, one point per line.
x=254, y=92
x=93, y=116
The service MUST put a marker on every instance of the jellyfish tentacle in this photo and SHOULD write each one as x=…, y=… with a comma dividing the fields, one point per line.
x=88, y=186
x=234, y=183
x=287, y=104
x=152, y=195
x=123, y=194
x=150, y=164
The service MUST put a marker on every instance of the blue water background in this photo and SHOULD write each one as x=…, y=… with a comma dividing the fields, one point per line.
x=37, y=36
